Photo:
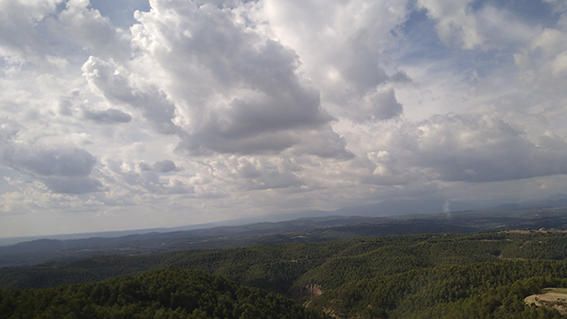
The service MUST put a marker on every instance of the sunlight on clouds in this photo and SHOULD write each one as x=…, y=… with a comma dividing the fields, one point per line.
x=131, y=113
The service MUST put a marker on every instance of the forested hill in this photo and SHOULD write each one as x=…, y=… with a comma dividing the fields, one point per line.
x=165, y=294
x=481, y=275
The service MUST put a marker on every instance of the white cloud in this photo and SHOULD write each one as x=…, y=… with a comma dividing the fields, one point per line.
x=342, y=45
x=116, y=87
x=461, y=24
x=473, y=148
x=205, y=110
x=456, y=23
x=245, y=94
x=57, y=30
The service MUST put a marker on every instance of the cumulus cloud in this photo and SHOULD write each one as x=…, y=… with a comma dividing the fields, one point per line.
x=232, y=107
x=18, y=21
x=545, y=54
x=116, y=87
x=245, y=94
x=153, y=179
x=56, y=30
x=342, y=46
x=468, y=25
x=473, y=148
x=265, y=174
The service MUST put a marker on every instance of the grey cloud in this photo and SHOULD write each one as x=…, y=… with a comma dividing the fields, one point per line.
x=324, y=143
x=108, y=116
x=38, y=31
x=17, y=25
x=115, y=86
x=380, y=105
x=361, y=68
x=209, y=141
x=65, y=107
x=62, y=170
x=276, y=105
x=264, y=174
x=246, y=94
x=151, y=178
x=385, y=105
x=475, y=148
x=72, y=185
x=400, y=77
x=144, y=166
x=165, y=166
x=55, y=162
x=8, y=130
x=90, y=30
x=274, y=180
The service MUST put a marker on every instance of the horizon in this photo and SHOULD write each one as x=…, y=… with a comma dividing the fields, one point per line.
x=136, y=114
x=534, y=207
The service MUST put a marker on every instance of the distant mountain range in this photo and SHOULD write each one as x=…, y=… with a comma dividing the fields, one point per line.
x=307, y=229
x=389, y=208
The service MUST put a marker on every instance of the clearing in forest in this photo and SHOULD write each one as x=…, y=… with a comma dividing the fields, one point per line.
x=555, y=298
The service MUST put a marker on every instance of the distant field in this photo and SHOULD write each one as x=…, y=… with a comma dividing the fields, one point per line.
x=554, y=298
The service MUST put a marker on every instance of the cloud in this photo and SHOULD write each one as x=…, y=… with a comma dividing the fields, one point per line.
x=17, y=24
x=342, y=45
x=474, y=148
x=381, y=105
x=54, y=162
x=75, y=186
x=229, y=108
x=245, y=94
x=156, y=179
x=108, y=116
x=111, y=81
x=545, y=54
x=164, y=166
x=469, y=25
x=456, y=23
x=260, y=173
x=266, y=175
x=62, y=170
x=54, y=30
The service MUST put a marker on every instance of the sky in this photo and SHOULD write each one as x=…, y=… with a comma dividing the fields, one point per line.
x=134, y=114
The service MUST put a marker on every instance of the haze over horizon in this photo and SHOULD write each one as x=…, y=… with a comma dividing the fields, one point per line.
x=145, y=114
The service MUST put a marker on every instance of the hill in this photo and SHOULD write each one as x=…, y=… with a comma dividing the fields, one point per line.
x=304, y=230
x=171, y=294
x=476, y=275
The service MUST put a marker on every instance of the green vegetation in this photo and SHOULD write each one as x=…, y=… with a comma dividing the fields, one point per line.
x=482, y=275
x=171, y=294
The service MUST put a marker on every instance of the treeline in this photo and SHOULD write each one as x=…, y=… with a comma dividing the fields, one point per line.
x=165, y=294
x=483, y=275
x=475, y=276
